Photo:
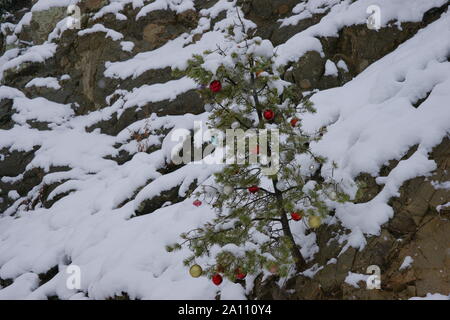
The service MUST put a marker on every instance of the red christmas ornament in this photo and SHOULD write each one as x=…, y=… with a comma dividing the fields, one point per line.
x=197, y=203
x=296, y=216
x=253, y=189
x=217, y=279
x=215, y=86
x=240, y=275
x=294, y=121
x=268, y=114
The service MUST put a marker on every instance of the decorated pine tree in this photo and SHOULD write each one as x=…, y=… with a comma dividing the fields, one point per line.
x=271, y=185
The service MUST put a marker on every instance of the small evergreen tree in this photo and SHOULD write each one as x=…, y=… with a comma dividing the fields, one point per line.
x=252, y=229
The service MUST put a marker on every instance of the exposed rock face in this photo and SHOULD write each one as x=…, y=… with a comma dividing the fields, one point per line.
x=44, y=22
x=94, y=5
x=417, y=230
x=164, y=27
x=357, y=46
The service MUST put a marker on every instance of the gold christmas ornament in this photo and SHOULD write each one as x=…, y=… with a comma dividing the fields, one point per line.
x=314, y=221
x=195, y=271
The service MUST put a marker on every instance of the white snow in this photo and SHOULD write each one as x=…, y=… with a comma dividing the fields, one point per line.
x=127, y=46
x=331, y=69
x=22, y=286
x=10, y=93
x=354, y=278
x=13, y=194
x=42, y=5
x=38, y=53
x=432, y=296
x=158, y=92
x=346, y=13
x=306, y=9
x=264, y=49
x=114, y=35
x=173, y=54
x=441, y=206
x=342, y=65
x=61, y=26
x=407, y=262
x=25, y=21
x=40, y=109
x=116, y=6
x=178, y=6
x=12, y=179
x=311, y=272
x=370, y=120
x=441, y=185
x=48, y=82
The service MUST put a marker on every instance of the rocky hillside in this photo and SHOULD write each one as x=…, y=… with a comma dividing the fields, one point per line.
x=86, y=117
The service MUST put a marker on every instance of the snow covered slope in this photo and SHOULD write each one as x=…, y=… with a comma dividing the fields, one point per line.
x=88, y=218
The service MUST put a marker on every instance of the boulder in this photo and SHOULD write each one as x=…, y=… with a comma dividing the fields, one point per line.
x=44, y=22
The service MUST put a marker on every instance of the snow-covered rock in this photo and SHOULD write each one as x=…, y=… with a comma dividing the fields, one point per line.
x=94, y=187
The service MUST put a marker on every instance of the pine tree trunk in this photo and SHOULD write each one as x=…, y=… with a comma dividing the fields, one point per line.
x=300, y=262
